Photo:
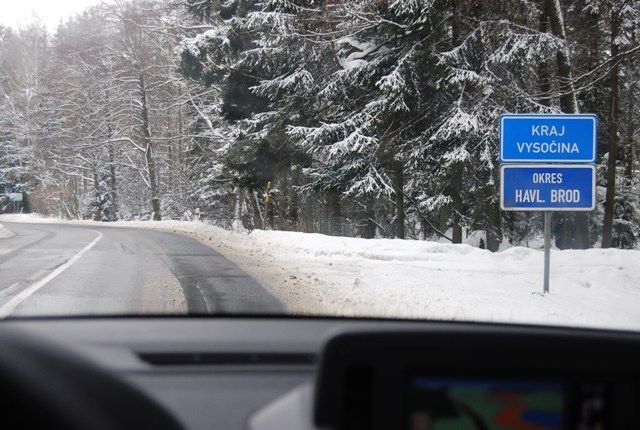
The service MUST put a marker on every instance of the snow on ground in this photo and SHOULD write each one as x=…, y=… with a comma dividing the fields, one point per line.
x=318, y=274
x=4, y=233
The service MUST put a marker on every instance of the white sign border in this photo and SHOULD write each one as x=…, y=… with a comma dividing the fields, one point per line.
x=552, y=209
x=551, y=116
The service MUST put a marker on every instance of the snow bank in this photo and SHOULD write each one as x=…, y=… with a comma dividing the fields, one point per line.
x=383, y=277
x=318, y=274
x=4, y=233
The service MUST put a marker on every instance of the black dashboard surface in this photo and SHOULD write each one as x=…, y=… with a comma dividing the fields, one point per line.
x=485, y=377
x=215, y=373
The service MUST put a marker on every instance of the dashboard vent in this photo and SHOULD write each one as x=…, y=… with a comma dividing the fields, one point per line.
x=214, y=358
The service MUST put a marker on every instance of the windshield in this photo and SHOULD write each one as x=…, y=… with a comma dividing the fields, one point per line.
x=432, y=160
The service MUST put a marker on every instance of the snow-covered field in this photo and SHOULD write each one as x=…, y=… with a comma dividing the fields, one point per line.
x=319, y=274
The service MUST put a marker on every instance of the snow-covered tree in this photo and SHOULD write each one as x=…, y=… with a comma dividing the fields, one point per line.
x=363, y=117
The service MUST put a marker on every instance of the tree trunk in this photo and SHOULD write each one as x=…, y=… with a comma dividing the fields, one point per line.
x=568, y=104
x=563, y=237
x=369, y=231
x=424, y=228
x=456, y=204
x=237, y=210
x=568, y=101
x=294, y=202
x=112, y=182
x=455, y=186
x=268, y=207
x=97, y=210
x=335, y=217
x=250, y=202
x=112, y=164
x=543, y=67
x=592, y=101
x=148, y=153
x=398, y=187
x=614, y=101
x=628, y=155
x=494, y=231
x=255, y=199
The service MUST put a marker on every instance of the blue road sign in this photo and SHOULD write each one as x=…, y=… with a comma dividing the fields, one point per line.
x=16, y=197
x=547, y=187
x=548, y=138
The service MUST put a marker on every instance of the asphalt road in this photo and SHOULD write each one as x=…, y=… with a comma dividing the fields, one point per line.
x=59, y=269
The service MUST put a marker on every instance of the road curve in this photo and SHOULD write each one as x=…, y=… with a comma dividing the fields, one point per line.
x=62, y=269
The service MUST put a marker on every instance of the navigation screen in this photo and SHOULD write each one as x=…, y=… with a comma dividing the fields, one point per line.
x=474, y=404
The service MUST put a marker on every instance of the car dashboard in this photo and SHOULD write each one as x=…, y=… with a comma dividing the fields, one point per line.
x=308, y=373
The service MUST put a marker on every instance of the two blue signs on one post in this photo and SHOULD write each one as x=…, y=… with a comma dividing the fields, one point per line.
x=566, y=144
x=546, y=187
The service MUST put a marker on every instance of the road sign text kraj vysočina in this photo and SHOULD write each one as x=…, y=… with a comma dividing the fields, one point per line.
x=547, y=165
x=548, y=138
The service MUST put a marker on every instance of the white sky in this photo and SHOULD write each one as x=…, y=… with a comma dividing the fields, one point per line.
x=18, y=12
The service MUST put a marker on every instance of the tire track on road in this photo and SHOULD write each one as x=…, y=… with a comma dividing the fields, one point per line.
x=48, y=234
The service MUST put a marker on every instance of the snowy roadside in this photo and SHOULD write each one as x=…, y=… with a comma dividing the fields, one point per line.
x=317, y=274
x=5, y=233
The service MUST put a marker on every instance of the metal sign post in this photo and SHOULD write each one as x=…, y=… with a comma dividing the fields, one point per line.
x=547, y=250
x=547, y=165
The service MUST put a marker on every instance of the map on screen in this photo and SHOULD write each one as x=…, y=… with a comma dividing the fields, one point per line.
x=461, y=404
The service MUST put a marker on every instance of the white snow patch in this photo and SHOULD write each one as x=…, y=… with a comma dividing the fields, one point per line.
x=357, y=58
x=324, y=275
x=5, y=233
